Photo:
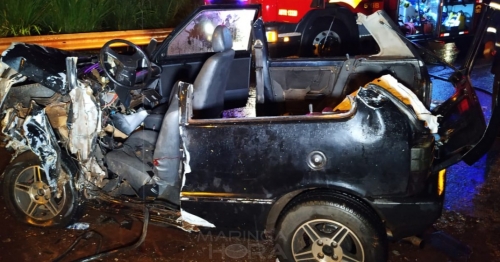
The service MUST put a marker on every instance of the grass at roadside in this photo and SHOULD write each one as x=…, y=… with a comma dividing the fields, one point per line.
x=125, y=17
x=73, y=16
x=20, y=18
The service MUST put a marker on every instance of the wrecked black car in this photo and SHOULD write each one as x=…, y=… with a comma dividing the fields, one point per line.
x=336, y=155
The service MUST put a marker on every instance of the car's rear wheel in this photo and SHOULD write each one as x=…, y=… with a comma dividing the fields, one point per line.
x=29, y=198
x=341, y=228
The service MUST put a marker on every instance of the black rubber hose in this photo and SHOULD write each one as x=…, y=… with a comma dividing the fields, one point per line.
x=120, y=249
x=85, y=235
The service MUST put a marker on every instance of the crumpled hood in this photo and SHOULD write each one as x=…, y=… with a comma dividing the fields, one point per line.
x=8, y=78
x=40, y=64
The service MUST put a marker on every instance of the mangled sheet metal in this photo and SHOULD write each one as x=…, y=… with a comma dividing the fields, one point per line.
x=83, y=110
x=76, y=116
x=11, y=123
x=58, y=118
x=384, y=32
x=42, y=141
x=84, y=124
x=194, y=220
x=12, y=128
x=409, y=98
x=404, y=94
x=43, y=65
x=8, y=77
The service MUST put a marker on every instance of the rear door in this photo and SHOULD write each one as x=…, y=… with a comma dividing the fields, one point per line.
x=462, y=125
x=185, y=50
x=464, y=134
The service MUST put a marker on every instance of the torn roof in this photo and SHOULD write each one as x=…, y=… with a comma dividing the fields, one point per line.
x=385, y=32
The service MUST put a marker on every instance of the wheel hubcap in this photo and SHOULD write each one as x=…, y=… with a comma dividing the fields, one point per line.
x=34, y=197
x=326, y=241
x=327, y=43
x=327, y=250
x=40, y=193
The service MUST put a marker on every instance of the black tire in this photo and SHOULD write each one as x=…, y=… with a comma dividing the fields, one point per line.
x=19, y=190
x=345, y=34
x=326, y=216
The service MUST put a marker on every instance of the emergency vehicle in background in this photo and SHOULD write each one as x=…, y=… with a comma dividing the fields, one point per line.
x=328, y=27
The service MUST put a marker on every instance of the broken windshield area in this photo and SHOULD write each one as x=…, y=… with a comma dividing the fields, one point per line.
x=196, y=36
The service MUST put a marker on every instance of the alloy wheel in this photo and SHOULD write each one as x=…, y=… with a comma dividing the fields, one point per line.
x=34, y=197
x=326, y=241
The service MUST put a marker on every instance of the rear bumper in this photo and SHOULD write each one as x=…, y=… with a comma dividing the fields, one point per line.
x=409, y=216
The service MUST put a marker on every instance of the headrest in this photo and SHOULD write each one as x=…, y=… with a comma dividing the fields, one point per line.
x=222, y=40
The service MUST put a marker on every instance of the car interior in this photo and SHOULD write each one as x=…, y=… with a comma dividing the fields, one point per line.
x=291, y=86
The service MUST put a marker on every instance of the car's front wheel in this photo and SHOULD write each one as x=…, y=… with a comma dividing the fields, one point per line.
x=29, y=198
x=331, y=228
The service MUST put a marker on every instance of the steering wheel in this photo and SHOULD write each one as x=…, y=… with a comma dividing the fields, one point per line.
x=123, y=72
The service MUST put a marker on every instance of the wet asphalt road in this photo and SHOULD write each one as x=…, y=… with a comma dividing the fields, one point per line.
x=471, y=217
